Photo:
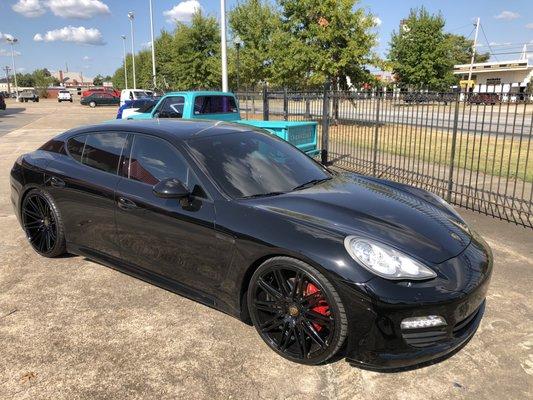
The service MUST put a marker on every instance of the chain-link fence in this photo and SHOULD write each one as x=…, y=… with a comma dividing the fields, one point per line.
x=474, y=150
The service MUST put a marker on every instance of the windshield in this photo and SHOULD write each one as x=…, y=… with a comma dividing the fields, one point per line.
x=249, y=164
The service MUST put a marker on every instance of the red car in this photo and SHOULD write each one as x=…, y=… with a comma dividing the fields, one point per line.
x=111, y=91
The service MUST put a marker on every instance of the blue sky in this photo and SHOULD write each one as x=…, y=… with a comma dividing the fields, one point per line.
x=86, y=33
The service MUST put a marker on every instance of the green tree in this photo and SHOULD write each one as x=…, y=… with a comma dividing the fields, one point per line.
x=98, y=80
x=422, y=55
x=253, y=22
x=322, y=40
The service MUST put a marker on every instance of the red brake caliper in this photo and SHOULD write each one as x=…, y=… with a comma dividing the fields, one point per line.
x=322, y=306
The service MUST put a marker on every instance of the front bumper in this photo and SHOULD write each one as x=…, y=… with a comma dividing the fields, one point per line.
x=377, y=341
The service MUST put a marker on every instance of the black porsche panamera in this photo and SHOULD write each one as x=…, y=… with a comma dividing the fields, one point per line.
x=322, y=263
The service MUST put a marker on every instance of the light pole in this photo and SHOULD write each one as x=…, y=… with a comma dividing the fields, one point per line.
x=131, y=17
x=12, y=41
x=223, y=45
x=153, y=44
x=238, y=43
x=125, y=67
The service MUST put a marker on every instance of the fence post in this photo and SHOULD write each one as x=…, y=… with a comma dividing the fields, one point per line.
x=376, y=137
x=453, y=149
x=307, y=107
x=285, y=105
x=265, y=103
x=325, y=125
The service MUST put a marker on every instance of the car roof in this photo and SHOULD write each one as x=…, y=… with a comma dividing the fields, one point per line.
x=172, y=130
x=200, y=93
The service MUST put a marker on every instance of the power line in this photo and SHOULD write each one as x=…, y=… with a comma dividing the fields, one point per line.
x=487, y=40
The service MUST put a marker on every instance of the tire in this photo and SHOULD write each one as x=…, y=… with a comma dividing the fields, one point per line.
x=302, y=319
x=71, y=100
x=40, y=218
x=92, y=104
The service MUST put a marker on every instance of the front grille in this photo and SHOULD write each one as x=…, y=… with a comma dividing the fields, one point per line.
x=424, y=338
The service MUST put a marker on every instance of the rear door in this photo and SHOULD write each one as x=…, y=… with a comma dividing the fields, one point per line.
x=83, y=185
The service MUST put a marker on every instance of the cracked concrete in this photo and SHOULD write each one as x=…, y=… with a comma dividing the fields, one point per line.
x=73, y=329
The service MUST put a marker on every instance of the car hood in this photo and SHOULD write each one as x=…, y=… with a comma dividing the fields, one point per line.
x=353, y=205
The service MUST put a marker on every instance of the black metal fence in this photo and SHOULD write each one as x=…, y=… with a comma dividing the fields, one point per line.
x=476, y=151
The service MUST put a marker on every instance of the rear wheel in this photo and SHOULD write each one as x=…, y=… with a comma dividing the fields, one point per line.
x=297, y=311
x=42, y=223
x=92, y=104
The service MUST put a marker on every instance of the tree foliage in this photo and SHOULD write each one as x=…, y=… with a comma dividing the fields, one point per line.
x=422, y=55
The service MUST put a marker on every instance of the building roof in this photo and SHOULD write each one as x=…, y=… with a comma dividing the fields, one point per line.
x=72, y=76
x=493, y=66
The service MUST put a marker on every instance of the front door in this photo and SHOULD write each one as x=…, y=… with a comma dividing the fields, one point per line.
x=169, y=237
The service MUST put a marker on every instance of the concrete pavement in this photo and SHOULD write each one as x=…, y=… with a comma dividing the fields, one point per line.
x=73, y=329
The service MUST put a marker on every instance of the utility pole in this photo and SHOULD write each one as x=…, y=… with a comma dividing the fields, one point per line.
x=6, y=68
x=12, y=41
x=131, y=17
x=125, y=67
x=473, y=54
x=223, y=45
x=153, y=44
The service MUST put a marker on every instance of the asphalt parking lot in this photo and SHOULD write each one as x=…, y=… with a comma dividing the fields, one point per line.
x=74, y=329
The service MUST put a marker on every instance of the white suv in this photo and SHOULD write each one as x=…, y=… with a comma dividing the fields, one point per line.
x=64, y=95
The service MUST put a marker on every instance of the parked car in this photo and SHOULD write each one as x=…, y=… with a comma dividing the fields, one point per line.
x=134, y=94
x=88, y=92
x=231, y=216
x=100, y=99
x=64, y=95
x=28, y=95
x=2, y=102
x=224, y=106
x=134, y=107
x=484, y=98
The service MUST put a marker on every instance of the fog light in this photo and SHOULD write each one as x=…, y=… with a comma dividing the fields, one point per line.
x=429, y=321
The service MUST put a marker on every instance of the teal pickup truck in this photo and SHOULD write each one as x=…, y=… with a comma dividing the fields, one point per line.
x=223, y=106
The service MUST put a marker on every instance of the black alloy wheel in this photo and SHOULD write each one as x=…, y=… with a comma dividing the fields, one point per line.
x=297, y=311
x=42, y=224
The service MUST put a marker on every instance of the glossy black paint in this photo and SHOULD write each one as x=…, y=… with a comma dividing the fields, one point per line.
x=207, y=247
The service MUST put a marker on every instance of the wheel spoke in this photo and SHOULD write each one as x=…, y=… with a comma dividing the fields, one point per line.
x=36, y=209
x=319, y=318
x=286, y=340
x=282, y=283
x=33, y=224
x=32, y=214
x=269, y=289
x=267, y=306
x=313, y=299
x=272, y=323
x=301, y=341
x=313, y=334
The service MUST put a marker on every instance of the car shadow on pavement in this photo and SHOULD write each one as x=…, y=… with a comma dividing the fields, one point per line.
x=11, y=111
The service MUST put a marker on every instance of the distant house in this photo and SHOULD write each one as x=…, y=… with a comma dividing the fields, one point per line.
x=71, y=79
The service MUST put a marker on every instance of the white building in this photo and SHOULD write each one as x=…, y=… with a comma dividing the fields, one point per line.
x=506, y=77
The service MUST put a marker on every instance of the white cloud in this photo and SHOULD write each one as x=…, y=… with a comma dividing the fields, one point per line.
x=4, y=37
x=377, y=21
x=530, y=25
x=507, y=15
x=182, y=12
x=146, y=45
x=29, y=8
x=7, y=53
x=86, y=58
x=73, y=34
x=81, y=9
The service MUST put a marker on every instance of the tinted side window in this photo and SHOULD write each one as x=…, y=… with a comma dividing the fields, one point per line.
x=214, y=105
x=172, y=107
x=75, y=146
x=102, y=150
x=153, y=159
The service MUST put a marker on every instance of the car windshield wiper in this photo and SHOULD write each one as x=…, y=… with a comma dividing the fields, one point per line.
x=253, y=196
x=310, y=183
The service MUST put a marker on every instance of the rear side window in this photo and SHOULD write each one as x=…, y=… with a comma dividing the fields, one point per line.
x=214, y=105
x=98, y=150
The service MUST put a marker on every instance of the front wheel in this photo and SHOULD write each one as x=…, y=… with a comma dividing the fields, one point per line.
x=42, y=223
x=297, y=311
x=92, y=104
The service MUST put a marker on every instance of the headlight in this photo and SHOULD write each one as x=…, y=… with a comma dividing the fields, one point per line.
x=385, y=261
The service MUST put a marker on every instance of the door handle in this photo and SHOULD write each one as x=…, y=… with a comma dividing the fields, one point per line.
x=126, y=204
x=56, y=182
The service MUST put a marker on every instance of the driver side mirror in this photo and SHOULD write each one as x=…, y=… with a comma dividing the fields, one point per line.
x=171, y=188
